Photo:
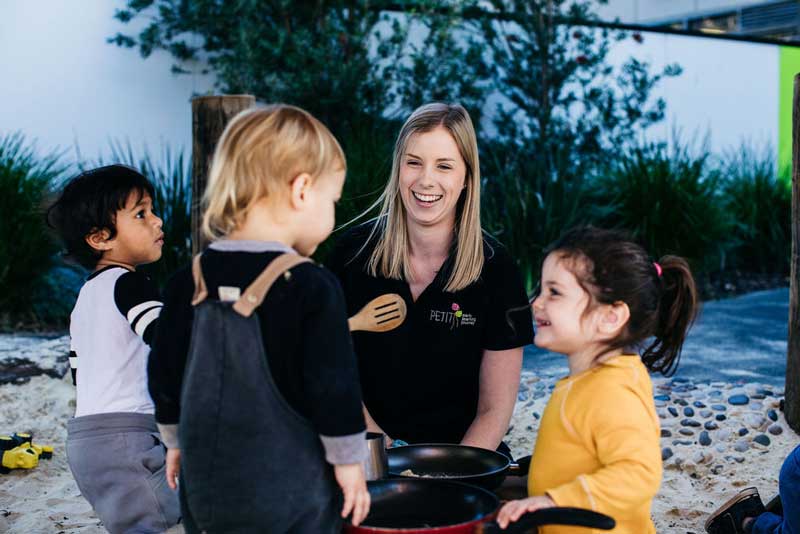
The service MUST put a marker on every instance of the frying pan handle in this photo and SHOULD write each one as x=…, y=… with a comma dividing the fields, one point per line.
x=520, y=467
x=576, y=517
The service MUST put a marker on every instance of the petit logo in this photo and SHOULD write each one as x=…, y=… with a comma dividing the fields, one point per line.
x=455, y=317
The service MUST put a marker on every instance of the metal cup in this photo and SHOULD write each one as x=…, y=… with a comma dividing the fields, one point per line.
x=377, y=463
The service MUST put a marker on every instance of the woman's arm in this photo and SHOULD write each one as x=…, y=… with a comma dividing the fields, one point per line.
x=499, y=384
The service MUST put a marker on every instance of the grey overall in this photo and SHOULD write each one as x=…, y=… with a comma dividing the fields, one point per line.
x=249, y=462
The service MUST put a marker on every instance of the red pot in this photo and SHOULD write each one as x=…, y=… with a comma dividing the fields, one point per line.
x=420, y=506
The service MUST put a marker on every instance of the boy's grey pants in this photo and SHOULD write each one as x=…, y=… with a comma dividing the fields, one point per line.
x=117, y=460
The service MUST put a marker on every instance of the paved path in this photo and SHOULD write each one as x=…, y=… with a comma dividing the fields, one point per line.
x=739, y=338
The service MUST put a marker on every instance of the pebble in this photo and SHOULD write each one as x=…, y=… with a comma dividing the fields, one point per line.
x=762, y=439
x=666, y=454
x=686, y=432
x=758, y=396
x=706, y=413
x=536, y=415
x=775, y=429
x=690, y=422
x=710, y=425
x=741, y=446
x=701, y=457
x=680, y=380
x=772, y=414
x=682, y=442
x=717, y=469
x=698, y=404
x=754, y=420
x=661, y=397
x=738, y=400
x=660, y=403
x=522, y=396
x=718, y=384
x=724, y=434
x=720, y=417
x=756, y=406
x=743, y=431
x=705, y=439
x=715, y=393
x=665, y=433
x=721, y=448
x=688, y=412
x=681, y=402
x=719, y=407
x=674, y=411
x=765, y=392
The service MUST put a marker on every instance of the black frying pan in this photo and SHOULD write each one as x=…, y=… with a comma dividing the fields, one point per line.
x=459, y=463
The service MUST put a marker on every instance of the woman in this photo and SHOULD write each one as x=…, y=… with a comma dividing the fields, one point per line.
x=450, y=372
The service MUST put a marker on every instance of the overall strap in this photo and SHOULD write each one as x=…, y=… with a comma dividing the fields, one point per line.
x=200, y=289
x=254, y=295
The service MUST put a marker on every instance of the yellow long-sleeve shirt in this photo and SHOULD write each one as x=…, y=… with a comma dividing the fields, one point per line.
x=598, y=446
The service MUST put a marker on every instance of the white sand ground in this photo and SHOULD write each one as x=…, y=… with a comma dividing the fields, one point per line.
x=696, y=479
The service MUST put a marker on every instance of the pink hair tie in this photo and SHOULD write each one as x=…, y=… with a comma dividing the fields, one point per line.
x=658, y=268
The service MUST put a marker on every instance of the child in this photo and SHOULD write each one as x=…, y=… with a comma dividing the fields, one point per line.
x=744, y=513
x=105, y=218
x=265, y=401
x=602, y=299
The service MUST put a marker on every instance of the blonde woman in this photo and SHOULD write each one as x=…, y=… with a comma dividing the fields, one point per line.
x=450, y=372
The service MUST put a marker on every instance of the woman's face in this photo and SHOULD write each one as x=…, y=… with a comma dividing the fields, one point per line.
x=432, y=178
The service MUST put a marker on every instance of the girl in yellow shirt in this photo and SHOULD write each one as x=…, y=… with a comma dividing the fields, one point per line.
x=616, y=315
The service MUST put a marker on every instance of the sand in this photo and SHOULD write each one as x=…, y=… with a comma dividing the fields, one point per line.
x=696, y=478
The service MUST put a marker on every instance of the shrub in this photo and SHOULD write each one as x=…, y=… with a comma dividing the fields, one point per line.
x=759, y=204
x=27, y=250
x=669, y=198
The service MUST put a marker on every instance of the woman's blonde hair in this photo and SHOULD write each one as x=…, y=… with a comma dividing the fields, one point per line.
x=390, y=258
x=260, y=152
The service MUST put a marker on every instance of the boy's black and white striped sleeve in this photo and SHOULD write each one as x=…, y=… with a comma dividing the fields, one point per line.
x=138, y=300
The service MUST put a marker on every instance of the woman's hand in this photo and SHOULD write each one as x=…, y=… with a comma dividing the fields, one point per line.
x=350, y=478
x=513, y=510
x=173, y=467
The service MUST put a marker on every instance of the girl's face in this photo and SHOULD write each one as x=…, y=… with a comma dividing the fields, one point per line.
x=320, y=211
x=561, y=325
x=432, y=178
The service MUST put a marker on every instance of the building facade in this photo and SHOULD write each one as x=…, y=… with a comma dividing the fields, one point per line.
x=773, y=19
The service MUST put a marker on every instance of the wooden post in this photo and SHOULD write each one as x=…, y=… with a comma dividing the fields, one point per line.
x=210, y=115
x=792, y=403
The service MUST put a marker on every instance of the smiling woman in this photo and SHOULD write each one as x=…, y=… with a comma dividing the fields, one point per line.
x=450, y=373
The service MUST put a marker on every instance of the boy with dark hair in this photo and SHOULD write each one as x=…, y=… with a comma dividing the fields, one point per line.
x=105, y=219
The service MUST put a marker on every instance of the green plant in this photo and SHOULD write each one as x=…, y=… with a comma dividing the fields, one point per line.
x=670, y=198
x=759, y=204
x=27, y=250
x=170, y=175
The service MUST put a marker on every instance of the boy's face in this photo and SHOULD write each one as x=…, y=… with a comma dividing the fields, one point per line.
x=320, y=211
x=139, y=238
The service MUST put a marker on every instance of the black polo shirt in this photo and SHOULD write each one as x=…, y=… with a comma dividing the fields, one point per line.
x=420, y=381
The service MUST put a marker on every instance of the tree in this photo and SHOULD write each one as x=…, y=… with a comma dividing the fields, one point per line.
x=563, y=113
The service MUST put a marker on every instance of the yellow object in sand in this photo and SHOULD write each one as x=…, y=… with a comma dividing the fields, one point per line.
x=19, y=452
x=22, y=457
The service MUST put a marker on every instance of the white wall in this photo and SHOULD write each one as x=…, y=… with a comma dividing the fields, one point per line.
x=728, y=89
x=63, y=85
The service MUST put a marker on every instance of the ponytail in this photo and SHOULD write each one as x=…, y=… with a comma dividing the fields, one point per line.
x=677, y=310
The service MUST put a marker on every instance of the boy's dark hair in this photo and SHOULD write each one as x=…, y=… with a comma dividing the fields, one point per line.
x=89, y=203
x=661, y=296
